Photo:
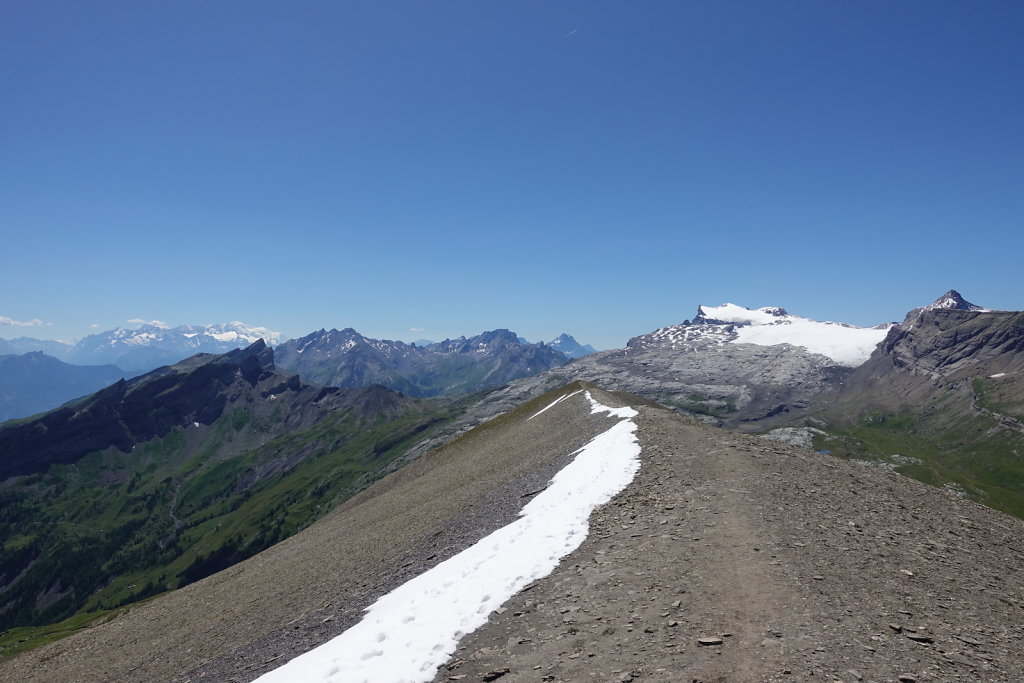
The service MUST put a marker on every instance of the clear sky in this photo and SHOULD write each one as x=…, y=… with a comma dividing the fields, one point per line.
x=431, y=169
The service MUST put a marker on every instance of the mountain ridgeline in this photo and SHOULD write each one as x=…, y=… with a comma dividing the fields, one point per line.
x=939, y=397
x=149, y=346
x=726, y=558
x=158, y=481
x=345, y=358
x=155, y=482
x=33, y=382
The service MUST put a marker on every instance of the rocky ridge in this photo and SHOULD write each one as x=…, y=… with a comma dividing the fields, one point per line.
x=934, y=350
x=160, y=480
x=728, y=558
x=701, y=367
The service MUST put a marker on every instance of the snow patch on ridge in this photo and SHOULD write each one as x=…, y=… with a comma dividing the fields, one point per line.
x=555, y=403
x=415, y=628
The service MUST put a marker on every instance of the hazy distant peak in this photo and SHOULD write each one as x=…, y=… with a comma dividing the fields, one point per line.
x=570, y=347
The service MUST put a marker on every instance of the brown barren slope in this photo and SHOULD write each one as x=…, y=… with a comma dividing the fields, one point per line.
x=805, y=567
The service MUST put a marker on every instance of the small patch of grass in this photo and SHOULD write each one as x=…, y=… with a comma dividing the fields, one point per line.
x=17, y=640
x=969, y=451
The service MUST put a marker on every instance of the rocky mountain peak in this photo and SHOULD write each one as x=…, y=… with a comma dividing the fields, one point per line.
x=568, y=345
x=505, y=335
x=952, y=300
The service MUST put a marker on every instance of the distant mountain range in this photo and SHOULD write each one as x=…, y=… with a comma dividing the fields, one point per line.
x=34, y=382
x=424, y=368
x=22, y=345
x=345, y=358
x=157, y=481
x=147, y=347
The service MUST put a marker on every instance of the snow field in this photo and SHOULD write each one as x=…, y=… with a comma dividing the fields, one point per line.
x=845, y=345
x=555, y=403
x=415, y=628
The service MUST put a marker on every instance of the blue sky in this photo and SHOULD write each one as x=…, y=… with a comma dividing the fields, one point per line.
x=431, y=169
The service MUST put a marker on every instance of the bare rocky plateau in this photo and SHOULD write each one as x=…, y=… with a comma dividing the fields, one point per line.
x=729, y=558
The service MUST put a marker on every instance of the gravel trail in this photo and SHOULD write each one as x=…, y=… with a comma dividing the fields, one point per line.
x=734, y=559
x=728, y=558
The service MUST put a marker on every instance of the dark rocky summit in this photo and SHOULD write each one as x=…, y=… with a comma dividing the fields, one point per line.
x=953, y=300
x=937, y=349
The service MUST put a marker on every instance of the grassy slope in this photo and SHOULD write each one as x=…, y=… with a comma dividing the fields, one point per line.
x=115, y=528
x=953, y=444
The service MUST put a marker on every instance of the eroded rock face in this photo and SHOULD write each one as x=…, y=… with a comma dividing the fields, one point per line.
x=942, y=341
x=937, y=352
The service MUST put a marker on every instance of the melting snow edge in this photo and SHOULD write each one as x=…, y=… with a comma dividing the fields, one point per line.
x=411, y=631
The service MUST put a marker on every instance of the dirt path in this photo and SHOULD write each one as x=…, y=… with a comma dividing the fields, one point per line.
x=793, y=566
x=804, y=567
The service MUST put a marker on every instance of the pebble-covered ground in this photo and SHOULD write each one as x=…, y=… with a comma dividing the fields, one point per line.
x=729, y=558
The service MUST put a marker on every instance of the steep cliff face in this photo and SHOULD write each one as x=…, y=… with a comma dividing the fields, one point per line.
x=936, y=351
x=942, y=400
x=952, y=342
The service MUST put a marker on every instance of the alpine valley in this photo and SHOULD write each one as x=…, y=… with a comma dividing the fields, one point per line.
x=217, y=517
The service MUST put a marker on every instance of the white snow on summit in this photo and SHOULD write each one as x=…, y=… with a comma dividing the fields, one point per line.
x=953, y=300
x=408, y=633
x=770, y=326
x=731, y=313
x=845, y=344
x=240, y=332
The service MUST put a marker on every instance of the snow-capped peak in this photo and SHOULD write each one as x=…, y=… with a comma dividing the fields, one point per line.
x=738, y=315
x=239, y=331
x=769, y=326
x=953, y=301
x=568, y=345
